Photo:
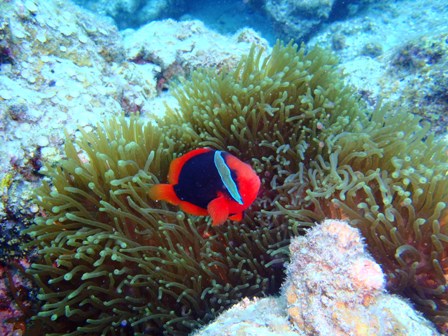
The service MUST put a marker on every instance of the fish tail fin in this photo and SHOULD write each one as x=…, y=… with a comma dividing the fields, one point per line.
x=163, y=192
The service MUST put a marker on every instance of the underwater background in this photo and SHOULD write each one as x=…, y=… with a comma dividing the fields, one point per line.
x=339, y=106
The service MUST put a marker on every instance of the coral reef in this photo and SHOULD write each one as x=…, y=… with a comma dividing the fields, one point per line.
x=63, y=67
x=332, y=287
x=319, y=153
x=186, y=46
x=387, y=59
x=422, y=62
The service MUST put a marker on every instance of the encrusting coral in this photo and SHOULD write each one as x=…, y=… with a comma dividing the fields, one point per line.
x=113, y=261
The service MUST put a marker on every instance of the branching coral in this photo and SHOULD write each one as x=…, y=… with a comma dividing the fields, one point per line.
x=113, y=261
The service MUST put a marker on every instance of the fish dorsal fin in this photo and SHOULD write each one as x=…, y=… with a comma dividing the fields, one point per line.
x=226, y=177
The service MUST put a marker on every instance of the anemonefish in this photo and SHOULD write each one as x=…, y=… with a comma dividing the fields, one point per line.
x=207, y=182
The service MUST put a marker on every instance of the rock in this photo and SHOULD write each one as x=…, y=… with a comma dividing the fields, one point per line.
x=187, y=45
x=297, y=19
x=332, y=287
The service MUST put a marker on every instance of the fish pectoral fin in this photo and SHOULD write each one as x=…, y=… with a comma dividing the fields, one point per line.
x=163, y=192
x=192, y=209
x=238, y=217
x=218, y=210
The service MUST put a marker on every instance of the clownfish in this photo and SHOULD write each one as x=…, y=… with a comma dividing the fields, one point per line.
x=207, y=182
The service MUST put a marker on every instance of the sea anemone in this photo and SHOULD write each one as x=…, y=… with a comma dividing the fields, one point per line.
x=112, y=261
x=115, y=262
x=322, y=154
